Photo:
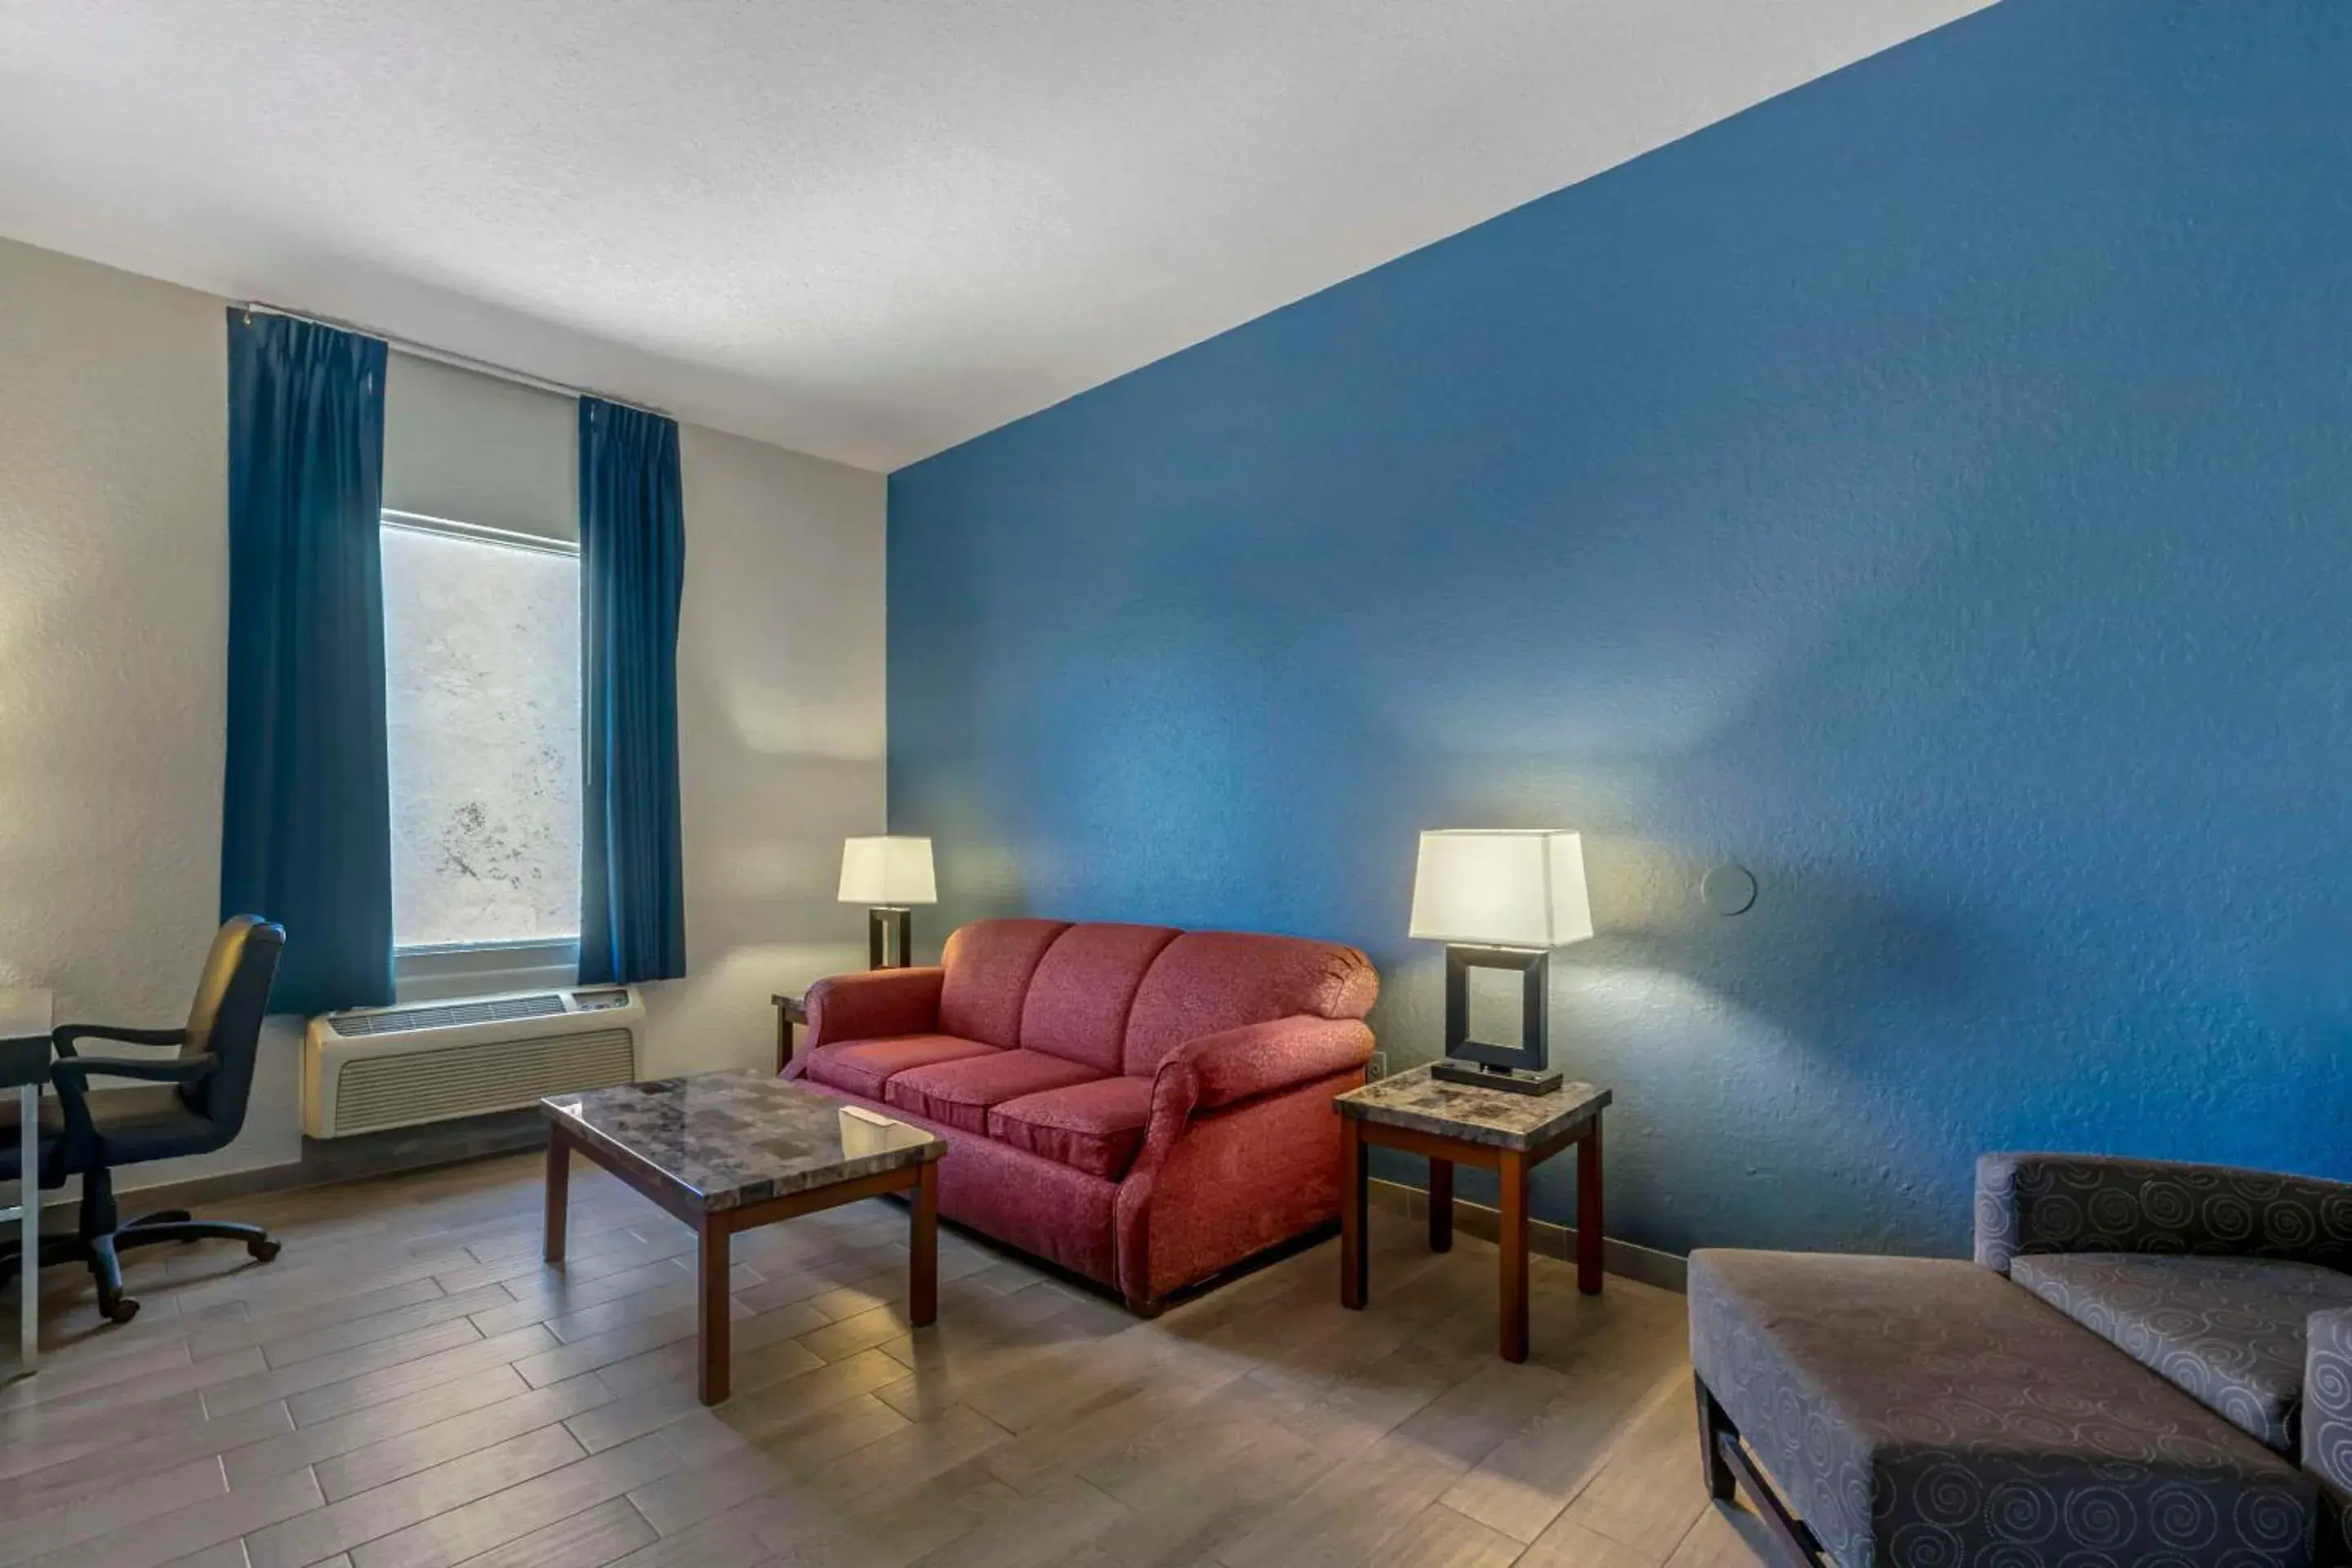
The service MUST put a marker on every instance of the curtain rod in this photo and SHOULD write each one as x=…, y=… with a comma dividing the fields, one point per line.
x=451, y=357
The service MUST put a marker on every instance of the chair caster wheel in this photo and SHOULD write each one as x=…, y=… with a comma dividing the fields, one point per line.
x=263, y=1251
x=122, y=1310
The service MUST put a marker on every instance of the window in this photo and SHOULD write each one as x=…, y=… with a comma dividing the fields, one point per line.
x=481, y=633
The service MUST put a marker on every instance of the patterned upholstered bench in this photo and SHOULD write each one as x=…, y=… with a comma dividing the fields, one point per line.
x=2129, y=1374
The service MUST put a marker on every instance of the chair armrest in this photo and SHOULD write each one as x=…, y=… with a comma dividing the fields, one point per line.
x=79, y=1070
x=2328, y=1419
x=1258, y=1059
x=874, y=1004
x=2094, y=1202
x=64, y=1035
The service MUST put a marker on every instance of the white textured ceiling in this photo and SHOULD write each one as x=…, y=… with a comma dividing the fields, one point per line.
x=863, y=228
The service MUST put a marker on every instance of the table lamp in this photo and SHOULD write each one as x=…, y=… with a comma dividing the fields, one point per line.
x=1499, y=899
x=887, y=873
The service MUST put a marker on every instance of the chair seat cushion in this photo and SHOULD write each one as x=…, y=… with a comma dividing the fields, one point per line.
x=863, y=1066
x=1926, y=1410
x=134, y=1125
x=1094, y=1127
x=2227, y=1330
x=959, y=1093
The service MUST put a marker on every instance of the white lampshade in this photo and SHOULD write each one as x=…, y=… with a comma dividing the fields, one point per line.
x=1501, y=888
x=887, y=870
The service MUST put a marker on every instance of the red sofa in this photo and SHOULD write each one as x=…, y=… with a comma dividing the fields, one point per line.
x=1143, y=1106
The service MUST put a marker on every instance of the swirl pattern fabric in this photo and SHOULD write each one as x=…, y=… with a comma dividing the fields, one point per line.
x=1925, y=1412
x=2327, y=1426
x=2029, y=1203
x=2227, y=1330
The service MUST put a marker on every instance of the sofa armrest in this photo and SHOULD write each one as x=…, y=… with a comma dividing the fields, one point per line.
x=2094, y=1202
x=1258, y=1059
x=1289, y=1070
x=874, y=1004
x=1211, y=1071
x=2327, y=1420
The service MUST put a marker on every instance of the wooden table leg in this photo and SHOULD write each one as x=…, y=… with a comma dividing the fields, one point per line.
x=712, y=1297
x=923, y=1250
x=1511, y=1244
x=1440, y=1205
x=559, y=1192
x=1587, y=1210
x=1355, y=1277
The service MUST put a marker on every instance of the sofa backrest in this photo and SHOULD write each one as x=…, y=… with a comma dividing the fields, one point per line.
x=989, y=964
x=1208, y=981
x=1118, y=999
x=1078, y=998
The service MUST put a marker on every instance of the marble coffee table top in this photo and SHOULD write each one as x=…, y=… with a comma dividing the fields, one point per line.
x=723, y=1140
x=1413, y=1099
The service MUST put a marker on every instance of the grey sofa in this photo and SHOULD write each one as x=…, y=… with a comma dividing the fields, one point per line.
x=2148, y=1363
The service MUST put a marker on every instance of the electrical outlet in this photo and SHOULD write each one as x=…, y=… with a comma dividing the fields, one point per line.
x=1377, y=1068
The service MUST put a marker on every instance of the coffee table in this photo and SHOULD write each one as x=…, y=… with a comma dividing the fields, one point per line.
x=727, y=1152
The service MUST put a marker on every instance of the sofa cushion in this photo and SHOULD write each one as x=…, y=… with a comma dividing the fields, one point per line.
x=863, y=1066
x=1206, y=982
x=959, y=1093
x=1096, y=1127
x=2229, y=1331
x=989, y=963
x=1079, y=997
x=1925, y=1410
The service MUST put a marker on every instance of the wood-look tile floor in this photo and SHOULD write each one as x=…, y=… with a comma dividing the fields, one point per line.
x=409, y=1386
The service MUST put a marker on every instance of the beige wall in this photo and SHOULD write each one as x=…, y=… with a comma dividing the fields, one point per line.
x=113, y=629
x=781, y=735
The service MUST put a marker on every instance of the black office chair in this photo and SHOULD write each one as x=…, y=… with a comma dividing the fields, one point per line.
x=198, y=1106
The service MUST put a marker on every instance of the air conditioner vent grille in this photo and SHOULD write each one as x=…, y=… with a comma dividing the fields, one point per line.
x=401, y=1020
x=476, y=1077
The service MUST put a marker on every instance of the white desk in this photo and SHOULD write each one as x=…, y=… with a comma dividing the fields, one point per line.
x=25, y=1016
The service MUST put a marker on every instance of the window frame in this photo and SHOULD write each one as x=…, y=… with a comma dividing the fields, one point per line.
x=429, y=972
x=439, y=972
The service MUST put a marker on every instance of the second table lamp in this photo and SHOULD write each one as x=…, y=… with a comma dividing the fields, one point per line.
x=1500, y=898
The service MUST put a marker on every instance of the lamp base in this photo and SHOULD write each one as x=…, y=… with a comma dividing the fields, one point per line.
x=1511, y=1080
x=890, y=937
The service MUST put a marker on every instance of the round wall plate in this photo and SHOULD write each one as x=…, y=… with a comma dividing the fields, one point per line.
x=1728, y=890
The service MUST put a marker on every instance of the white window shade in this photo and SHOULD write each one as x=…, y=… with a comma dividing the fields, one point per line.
x=472, y=448
x=482, y=715
x=1501, y=888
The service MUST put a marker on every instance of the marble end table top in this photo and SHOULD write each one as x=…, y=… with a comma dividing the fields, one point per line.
x=1415, y=1100
x=723, y=1140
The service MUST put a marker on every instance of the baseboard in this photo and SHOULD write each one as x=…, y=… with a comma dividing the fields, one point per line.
x=326, y=1161
x=1664, y=1270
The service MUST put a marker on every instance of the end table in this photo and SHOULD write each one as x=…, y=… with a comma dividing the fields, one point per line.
x=790, y=1010
x=1506, y=1133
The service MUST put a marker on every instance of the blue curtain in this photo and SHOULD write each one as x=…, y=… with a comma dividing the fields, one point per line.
x=305, y=833
x=632, y=574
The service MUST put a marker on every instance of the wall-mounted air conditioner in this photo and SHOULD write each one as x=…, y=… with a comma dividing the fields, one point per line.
x=373, y=1067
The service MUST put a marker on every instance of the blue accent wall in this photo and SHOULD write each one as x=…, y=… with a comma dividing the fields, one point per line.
x=1931, y=490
